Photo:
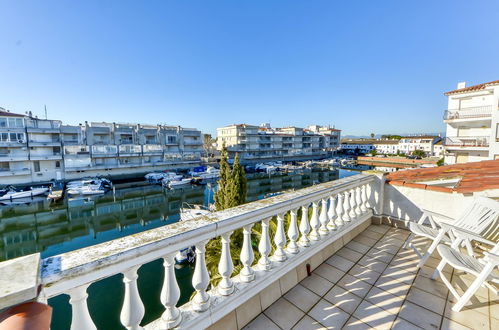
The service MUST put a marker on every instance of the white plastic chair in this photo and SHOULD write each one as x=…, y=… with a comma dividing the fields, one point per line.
x=479, y=218
x=484, y=269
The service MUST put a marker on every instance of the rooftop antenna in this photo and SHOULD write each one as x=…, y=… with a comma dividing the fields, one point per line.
x=45, y=111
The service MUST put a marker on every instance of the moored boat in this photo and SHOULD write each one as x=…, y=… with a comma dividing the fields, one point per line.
x=11, y=193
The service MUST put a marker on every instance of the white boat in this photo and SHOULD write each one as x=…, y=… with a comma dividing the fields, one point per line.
x=211, y=173
x=185, y=255
x=158, y=177
x=178, y=183
x=85, y=191
x=12, y=193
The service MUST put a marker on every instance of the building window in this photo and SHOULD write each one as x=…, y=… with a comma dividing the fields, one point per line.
x=36, y=166
x=3, y=122
x=172, y=139
x=57, y=164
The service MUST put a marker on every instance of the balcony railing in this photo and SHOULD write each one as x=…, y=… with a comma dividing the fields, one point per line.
x=465, y=113
x=337, y=208
x=467, y=141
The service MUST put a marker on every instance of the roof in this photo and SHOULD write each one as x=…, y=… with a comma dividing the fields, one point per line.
x=6, y=113
x=386, y=142
x=350, y=141
x=473, y=88
x=416, y=137
x=472, y=177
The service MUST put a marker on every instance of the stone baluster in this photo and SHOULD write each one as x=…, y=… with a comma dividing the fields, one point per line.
x=346, y=207
x=247, y=274
x=353, y=204
x=170, y=294
x=264, y=246
x=293, y=233
x=304, y=227
x=200, y=280
x=80, y=319
x=331, y=213
x=368, y=196
x=133, y=310
x=358, y=200
x=314, y=223
x=339, y=210
x=280, y=240
x=363, y=206
x=225, y=267
x=323, y=218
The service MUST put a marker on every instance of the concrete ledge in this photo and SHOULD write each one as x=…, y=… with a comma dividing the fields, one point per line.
x=19, y=279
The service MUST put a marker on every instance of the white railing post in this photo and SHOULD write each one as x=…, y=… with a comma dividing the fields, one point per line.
x=363, y=206
x=304, y=227
x=323, y=218
x=170, y=293
x=133, y=310
x=264, y=246
x=358, y=201
x=80, y=319
x=293, y=233
x=352, y=213
x=314, y=223
x=331, y=213
x=200, y=279
x=368, y=196
x=280, y=240
x=225, y=267
x=346, y=207
x=339, y=210
x=247, y=274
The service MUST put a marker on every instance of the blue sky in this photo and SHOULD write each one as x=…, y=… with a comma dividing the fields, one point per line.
x=363, y=66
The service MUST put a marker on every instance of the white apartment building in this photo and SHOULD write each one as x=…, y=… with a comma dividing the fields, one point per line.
x=406, y=145
x=409, y=144
x=39, y=150
x=472, y=119
x=386, y=147
x=257, y=143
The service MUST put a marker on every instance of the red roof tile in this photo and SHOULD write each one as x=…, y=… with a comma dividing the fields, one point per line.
x=476, y=176
x=473, y=88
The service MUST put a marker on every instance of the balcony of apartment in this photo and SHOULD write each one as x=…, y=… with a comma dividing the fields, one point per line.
x=104, y=151
x=14, y=171
x=127, y=150
x=43, y=126
x=469, y=114
x=46, y=156
x=152, y=149
x=467, y=143
x=317, y=257
x=53, y=142
x=192, y=142
x=14, y=156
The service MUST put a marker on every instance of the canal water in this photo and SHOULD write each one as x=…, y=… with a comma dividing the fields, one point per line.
x=70, y=225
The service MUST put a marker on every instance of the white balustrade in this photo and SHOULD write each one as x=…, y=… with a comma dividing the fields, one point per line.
x=247, y=274
x=225, y=266
x=280, y=240
x=264, y=246
x=314, y=223
x=293, y=233
x=133, y=309
x=341, y=203
x=353, y=204
x=358, y=201
x=200, y=280
x=323, y=218
x=304, y=227
x=331, y=214
x=80, y=319
x=170, y=293
x=346, y=207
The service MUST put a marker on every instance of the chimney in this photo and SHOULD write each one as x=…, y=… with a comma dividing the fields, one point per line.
x=461, y=84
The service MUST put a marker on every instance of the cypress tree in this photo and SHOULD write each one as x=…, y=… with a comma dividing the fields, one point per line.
x=225, y=183
x=240, y=182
